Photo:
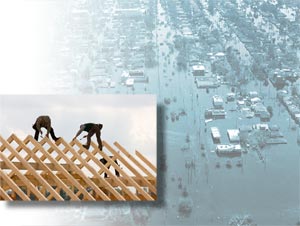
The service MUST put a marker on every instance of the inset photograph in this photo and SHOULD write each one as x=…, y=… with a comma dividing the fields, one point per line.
x=75, y=148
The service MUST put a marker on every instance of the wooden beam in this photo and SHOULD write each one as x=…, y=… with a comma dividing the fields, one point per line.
x=133, y=183
x=117, y=180
x=4, y=195
x=48, y=171
x=35, y=165
x=132, y=169
x=32, y=170
x=11, y=156
x=35, y=191
x=78, y=171
x=52, y=182
x=94, y=152
x=112, y=176
x=41, y=177
x=145, y=160
x=61, y=169
x=133, y=159
x=107, y=165
x=9, y=140
x=13, y=186
x=94, y=172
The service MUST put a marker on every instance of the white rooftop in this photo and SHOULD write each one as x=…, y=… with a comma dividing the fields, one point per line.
x=220, y=54
x=198, y=68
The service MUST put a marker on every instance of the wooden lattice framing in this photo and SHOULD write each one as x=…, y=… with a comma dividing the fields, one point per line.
x=31, y=170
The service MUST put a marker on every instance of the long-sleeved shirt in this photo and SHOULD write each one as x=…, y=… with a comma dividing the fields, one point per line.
x=43, y=121
x=85, y=127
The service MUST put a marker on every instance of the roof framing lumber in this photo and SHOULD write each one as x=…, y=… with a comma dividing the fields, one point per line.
x=44, y=170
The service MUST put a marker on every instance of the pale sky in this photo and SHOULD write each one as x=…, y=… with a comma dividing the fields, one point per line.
x=128, y=119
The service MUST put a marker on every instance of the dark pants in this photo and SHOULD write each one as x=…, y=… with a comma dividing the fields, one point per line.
x=37, y=133
x=94, y=130
x=103, y=160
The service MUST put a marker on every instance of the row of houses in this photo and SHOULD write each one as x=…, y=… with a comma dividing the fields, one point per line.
x=252, y=105
x=232, y=149
x=291, y=105
x=239, y=137
x=134, y=76
x=217, y=112
x=233, y=135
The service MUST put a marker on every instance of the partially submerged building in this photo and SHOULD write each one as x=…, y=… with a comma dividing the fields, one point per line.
x=198, y=70
x=228, y=150
x=233, y=135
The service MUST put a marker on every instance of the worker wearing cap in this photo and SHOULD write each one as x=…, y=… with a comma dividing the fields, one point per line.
x=91, y=129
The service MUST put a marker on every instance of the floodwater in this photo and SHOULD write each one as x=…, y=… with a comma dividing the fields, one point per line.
x=195, y=189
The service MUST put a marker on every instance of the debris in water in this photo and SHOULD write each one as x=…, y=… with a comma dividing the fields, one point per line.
x=239, y=163
x=202, y=147
x=185, y=205
x=241, y=221
x=167, y=100
x=228, y=164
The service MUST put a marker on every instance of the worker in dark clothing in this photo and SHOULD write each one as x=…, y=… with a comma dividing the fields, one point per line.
x=91, y=129
x=103, y=160
x=43, y=121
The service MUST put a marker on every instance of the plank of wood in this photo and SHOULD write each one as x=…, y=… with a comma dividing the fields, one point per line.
x=4, y=195
x=52, y=182
x=78, y=171
x=13, y=186
x=133, y=183
x=60, y=168
x=58, y=182
x=132, y=169
x=48, y=171
x=9, y=140
x=35, y=165
x=95, y=173
x=133, y=159
x=32, y=170
x=145, y=160
x=110, y=188
x=93, y=152
x=34, y=190
x=64, y=179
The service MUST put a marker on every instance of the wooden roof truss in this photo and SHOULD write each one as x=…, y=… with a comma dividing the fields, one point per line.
x=31, y=170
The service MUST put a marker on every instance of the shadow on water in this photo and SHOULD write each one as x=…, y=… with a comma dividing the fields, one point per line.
x=161, y=182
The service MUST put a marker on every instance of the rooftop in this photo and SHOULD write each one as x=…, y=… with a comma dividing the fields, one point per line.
x=45, y=171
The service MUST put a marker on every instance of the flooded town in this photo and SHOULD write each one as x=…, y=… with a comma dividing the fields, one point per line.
x=226, y=75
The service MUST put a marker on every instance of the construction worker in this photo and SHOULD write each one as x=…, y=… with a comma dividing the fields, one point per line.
x=91, y=129
x=104, y=161
x=43, y=121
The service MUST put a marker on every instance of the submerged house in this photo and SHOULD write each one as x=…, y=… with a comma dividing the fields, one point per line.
x=216, y=135
x=198, y=70
x=233, y=135
x=217, y=101
x=228, y=150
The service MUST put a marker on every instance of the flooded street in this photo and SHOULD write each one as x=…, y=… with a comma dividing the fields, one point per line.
x=261, y=186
